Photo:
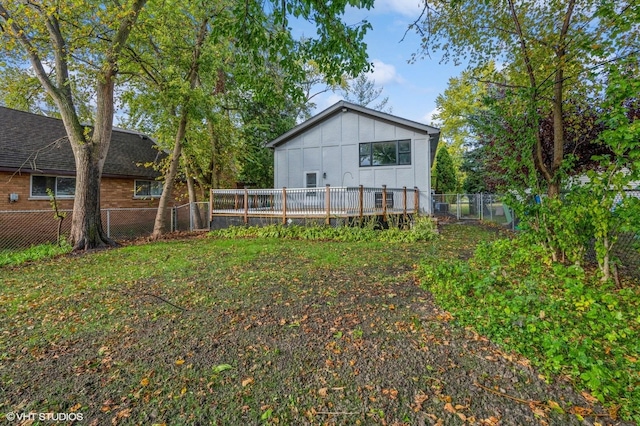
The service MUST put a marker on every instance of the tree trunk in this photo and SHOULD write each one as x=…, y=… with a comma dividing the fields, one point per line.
x=193, y=199
x=159, y=227
x=86, y=222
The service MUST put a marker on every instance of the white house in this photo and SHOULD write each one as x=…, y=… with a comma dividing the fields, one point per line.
x=348, y=145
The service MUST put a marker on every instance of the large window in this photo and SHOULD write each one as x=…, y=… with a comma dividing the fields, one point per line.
x=390, y=153
x=148, y=188
x=61, y=187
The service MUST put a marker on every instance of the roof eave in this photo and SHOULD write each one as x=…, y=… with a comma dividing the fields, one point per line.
x=344, y=106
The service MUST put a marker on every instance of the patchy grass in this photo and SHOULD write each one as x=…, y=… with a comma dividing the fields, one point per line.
x=257, y=331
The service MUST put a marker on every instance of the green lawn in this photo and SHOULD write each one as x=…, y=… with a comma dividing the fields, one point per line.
x=254, y=331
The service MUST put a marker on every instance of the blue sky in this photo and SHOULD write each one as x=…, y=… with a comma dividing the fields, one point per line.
x=411, y=88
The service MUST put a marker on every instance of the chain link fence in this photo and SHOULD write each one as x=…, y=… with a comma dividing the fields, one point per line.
x=490, y=208
x=487, y=207
x=192, y=216
x=25, y=228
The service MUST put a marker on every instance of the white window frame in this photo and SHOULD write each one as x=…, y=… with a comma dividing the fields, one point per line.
x=151, y=182
x=55, y=189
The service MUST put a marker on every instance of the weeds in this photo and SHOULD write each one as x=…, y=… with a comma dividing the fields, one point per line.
x=39, y=252
x=562, y=318
x=422, y=229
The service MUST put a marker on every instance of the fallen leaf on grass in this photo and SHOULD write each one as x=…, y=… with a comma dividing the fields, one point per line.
x=179, y=361
x=555, y=406
x=418, y=400
x=322, y=391
x=144, y=382
x=590, y=398
x=448, y=407
x=391, y=393
x=247, y=381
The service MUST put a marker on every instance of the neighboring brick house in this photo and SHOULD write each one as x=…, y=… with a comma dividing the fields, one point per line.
x=35, y=155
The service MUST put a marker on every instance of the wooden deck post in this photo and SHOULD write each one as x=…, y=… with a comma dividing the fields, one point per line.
x=327, y=202
x=361, y=202
x=404, y=203
x=246, y=206
x=284, y=205
x=384, y=203
x=210, y=206
x=416, y=200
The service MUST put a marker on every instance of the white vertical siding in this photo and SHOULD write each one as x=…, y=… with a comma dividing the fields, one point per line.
x=332, y=148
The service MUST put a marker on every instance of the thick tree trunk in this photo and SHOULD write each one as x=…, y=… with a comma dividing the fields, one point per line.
x=86, y=222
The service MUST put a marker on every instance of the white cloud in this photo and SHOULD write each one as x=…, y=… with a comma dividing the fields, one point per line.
x=384, y=73
x=328, y=101
x=409, y=8
x=428, y=118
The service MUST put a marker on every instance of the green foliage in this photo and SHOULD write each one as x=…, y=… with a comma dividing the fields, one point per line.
x=560, y=317
x=446, y=181
x=423, y=229
x=34, y=253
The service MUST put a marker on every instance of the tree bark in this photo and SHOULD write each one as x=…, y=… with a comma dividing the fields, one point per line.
x=159, y=227
x=193, y=199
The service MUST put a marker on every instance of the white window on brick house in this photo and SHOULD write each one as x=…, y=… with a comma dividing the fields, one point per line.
x=60, y=186
x=148, y=189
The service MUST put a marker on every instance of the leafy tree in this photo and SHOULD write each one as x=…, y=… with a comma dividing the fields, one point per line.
x=362, y=91
x=73, y=44
x=445, y=173
x=547, y=49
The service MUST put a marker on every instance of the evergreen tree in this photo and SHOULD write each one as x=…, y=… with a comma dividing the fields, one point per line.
x=445, y=174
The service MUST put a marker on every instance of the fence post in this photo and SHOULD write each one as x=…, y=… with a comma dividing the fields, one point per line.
x=327, y=202
x=481, y=206
x=246, y=205
x=416, y=200
x=284, y=205
x=108, y=223
x=458, y=212
x=191, y=214
x=384, y=203
x=210, y=207
x=361, y=202
x=404, y=203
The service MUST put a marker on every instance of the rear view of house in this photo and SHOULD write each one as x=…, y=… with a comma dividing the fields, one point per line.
x=348, y=145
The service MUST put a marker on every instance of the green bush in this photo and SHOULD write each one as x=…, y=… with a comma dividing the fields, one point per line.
x=563, y=319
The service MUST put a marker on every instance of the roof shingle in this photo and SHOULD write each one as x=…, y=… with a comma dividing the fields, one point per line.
x=35, y=143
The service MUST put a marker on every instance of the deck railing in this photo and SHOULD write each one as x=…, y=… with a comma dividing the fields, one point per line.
x=325, y=202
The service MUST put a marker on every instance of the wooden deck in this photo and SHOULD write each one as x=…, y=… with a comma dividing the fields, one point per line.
x=325, y=203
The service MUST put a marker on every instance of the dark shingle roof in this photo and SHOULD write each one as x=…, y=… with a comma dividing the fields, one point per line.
x=32, y=142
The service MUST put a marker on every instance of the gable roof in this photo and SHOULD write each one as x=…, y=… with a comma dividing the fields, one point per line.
x=35, y=143
x=344, y=106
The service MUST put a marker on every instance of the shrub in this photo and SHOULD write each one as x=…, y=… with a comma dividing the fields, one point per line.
x=562, y=318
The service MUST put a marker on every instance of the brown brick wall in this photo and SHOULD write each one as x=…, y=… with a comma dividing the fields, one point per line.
x=115, y=192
